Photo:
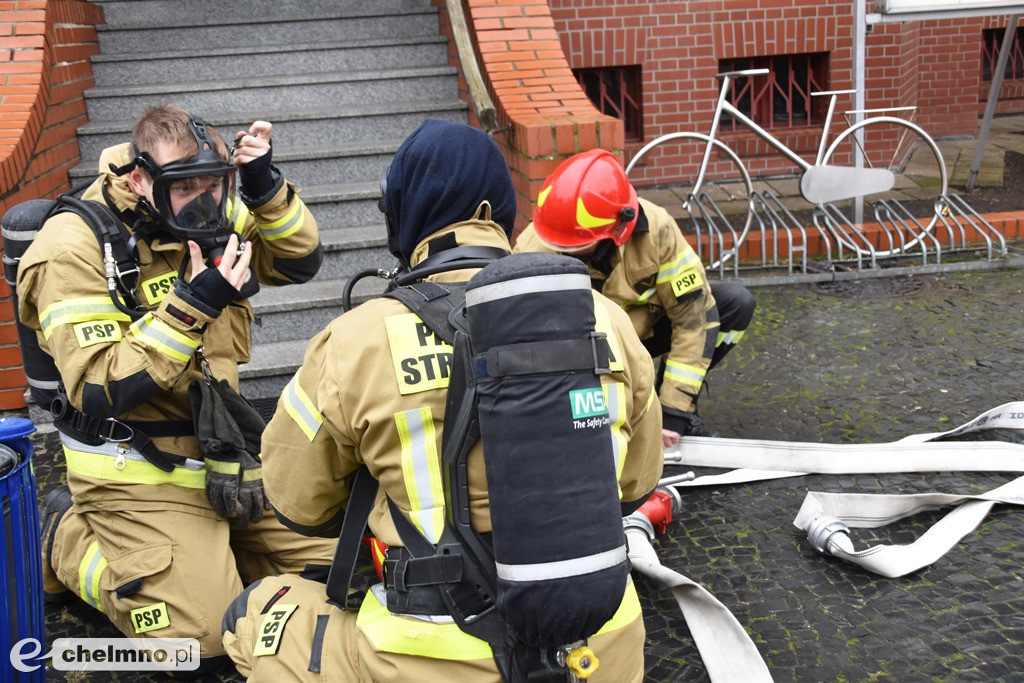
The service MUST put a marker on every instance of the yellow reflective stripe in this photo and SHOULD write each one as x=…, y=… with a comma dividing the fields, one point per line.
x=421, y=638
x=89, y=573
x=283, y=227
x=417, y=637
x=543, y=195
x=650, y=401
x=164, y=338
x=683, y=261
x=421, y=469
x=615, y=399
x=252, y=474
x=628, y=612
x=730, y=337
x=132, y=471
x=237, y=214
x=602, y=323
x=684, y=374
x=643, y=298
x=222, y=467
x=78, y=311
x=301, y=409
x=585, y=219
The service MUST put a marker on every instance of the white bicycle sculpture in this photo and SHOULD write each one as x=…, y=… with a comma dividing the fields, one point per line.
x=822, y=182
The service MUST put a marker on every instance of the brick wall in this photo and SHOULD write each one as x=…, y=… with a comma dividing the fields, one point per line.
x=543, y=116
x=934, y=65
x=44, y=51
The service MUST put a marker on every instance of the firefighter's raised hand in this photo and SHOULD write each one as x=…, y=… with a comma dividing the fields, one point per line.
x=252, y=144
x=252, y=154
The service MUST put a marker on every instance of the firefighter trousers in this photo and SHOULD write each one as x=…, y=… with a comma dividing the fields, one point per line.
x=284, y=629
x=165, y=565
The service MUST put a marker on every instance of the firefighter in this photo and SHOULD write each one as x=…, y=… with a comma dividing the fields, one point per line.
x=372, y=391
x=639, y=259
x=146, y=531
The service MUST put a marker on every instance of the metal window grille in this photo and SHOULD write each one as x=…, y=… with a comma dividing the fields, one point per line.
x=781, y=98
x=615, y=91
x=992, y=40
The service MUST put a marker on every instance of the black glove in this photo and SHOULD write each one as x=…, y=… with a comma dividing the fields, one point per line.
x=229, y=433
x=687, y=424
x=259, y=177
x=210, y=288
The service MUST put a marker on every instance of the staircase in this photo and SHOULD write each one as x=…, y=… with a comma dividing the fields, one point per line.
x=343, y=82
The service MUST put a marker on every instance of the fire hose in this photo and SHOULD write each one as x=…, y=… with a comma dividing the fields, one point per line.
x=727, y=651
x=827, y=518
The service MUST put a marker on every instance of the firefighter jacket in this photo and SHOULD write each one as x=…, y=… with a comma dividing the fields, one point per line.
x=372, y=390
x=654, y=274
x=140, y=370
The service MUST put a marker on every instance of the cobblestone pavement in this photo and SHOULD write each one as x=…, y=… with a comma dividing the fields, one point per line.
x=816, y=366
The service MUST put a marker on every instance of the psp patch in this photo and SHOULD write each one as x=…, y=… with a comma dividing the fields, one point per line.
x=687, y=282
x=150, y=618
x=97, y=332
x=422, y=360
x=268, y=640
x=156, y=288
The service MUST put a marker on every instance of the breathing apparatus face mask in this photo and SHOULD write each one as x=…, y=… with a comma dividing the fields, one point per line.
x=190, y=196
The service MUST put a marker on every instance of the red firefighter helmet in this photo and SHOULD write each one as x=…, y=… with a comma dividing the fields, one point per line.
x=586, y=199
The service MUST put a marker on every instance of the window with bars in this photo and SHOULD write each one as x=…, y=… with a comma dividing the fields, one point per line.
x=781, y=98
x=991, y=42
x=615, y=91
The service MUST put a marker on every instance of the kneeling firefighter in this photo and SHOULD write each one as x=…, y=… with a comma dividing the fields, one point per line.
x=509, y=571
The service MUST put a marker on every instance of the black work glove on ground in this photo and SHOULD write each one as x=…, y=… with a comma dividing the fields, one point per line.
x=229, y=434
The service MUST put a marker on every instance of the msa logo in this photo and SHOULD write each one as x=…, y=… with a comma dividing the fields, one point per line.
x=587, y=403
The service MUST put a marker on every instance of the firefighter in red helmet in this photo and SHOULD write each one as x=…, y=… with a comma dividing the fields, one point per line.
x=638, y=258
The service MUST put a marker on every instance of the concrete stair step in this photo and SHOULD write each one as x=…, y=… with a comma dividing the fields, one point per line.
x=381, y=53
x=298, y=312
x=343, y=163
x=251, y=93
x=282, y=23
x=142, y=14
x=297, y=127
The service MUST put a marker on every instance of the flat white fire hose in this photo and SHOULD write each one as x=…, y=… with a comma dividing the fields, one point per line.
x=828, y=517
x=727, y=651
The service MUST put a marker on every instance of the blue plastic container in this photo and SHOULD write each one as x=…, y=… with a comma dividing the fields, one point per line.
x=21, y=598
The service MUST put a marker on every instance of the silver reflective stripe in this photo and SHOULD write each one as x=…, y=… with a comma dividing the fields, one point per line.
x=527, y=285
x=19, y=235
x=615, y=417
x=92, y=599
x=117, y=450
x=44, y=384
x=544, y=571
x=421, y=471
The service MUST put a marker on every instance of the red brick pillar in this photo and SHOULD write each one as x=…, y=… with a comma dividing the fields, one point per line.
x=543, y=115
x=44, y=68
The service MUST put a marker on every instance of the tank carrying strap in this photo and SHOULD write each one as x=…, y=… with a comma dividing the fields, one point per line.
x=94, y=430
x=402, y=571
x=593, y=354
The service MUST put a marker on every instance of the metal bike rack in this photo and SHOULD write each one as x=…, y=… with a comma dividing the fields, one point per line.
x=898, y=240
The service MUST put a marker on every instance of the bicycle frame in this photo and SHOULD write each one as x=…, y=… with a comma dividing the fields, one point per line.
x=724, y=106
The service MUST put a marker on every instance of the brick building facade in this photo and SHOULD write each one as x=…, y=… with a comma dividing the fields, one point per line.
x=679, y=47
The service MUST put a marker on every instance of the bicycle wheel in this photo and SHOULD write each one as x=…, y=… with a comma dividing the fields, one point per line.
x=909, y=212
x=721, y=212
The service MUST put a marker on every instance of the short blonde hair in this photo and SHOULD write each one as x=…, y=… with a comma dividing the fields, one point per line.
x=168, y=124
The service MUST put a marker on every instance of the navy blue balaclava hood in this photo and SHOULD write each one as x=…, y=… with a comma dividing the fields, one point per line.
x=439, y=176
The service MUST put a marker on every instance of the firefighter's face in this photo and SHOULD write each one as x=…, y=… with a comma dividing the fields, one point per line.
x=183, y=191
